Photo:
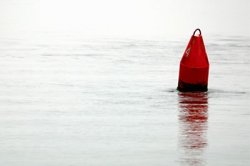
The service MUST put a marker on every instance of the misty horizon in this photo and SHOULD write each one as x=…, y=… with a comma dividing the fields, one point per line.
x=125, y=18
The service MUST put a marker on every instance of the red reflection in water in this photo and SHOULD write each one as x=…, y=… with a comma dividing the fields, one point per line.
x=193, y=117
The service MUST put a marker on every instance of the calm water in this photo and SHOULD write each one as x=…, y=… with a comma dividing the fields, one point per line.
x=75, y=101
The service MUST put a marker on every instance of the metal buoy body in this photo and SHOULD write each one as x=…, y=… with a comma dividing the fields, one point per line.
x=194, y=66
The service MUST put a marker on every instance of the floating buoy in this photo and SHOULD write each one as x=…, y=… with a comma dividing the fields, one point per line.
x=194, y=66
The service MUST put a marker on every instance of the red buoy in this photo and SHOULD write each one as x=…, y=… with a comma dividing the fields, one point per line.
x=194, y=66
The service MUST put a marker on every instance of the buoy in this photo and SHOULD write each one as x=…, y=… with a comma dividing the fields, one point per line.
x=194, y=66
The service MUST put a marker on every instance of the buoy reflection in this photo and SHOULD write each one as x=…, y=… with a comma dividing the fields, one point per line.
x=193, y=115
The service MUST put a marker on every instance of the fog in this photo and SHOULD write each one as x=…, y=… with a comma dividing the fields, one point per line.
x=160, y=18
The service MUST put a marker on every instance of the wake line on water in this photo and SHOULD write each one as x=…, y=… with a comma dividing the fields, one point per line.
x=210, y=91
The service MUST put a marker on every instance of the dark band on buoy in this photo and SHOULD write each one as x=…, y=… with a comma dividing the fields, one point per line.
x=187, y=87
x=196, y=31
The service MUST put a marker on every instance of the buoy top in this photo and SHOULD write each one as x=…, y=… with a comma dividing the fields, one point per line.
x=195, y=55
x=196, y=31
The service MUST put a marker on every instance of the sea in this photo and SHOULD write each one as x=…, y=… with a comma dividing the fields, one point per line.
x=82, y=101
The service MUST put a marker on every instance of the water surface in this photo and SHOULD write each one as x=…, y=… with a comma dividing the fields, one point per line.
x=108, y=101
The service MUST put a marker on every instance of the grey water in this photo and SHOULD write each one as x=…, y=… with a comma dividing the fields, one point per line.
x=113, y=101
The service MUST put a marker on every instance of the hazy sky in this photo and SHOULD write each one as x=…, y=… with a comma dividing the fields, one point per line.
x=126, y=17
